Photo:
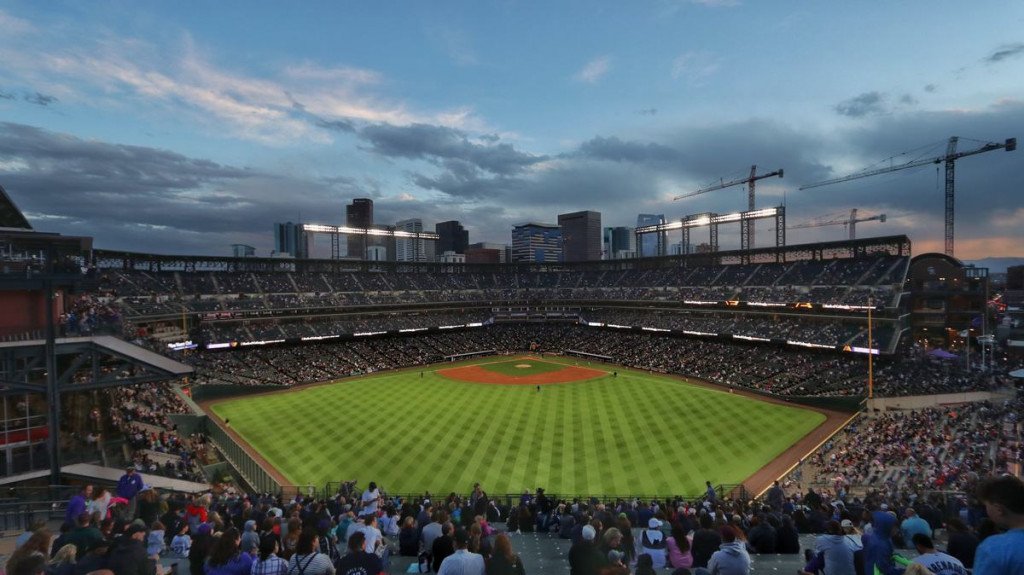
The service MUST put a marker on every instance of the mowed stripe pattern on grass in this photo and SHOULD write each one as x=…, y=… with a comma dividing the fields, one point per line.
x=633, y=434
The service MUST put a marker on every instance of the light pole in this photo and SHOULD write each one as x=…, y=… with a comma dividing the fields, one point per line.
x=871, y=352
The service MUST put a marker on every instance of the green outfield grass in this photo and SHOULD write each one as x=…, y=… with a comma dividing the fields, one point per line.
x=631, y=434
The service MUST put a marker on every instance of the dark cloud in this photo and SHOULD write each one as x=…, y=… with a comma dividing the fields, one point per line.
x=39, y=99
x=908, y=100
x=614, y=149
x=866, y=104
x=298, y=109
x=647, y=112
x=439, y=143
x=931, y=88
x=1005, y=52
x=6, y=95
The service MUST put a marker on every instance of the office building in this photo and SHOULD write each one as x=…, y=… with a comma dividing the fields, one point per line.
x=618, y=243
x=488, y=253
x=242, y=251
x=453, y=238
x=359, y=214
x=536, y=242
x=408, y=249
x=291, y=240
x=581, y=236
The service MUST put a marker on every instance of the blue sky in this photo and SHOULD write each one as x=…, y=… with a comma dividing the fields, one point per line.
x=185, y=127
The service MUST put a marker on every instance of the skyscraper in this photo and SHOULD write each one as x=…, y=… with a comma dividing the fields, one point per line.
x=581, y=236
x=290, y=239
x=534, y=242
x=648, y=247
x=358, y=214
x=453, y=238
x=410, y=250
x=618, y=243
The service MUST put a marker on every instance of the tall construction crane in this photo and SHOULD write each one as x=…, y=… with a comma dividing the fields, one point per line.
x=750, y=192
x=851, y=222
x=950, y=157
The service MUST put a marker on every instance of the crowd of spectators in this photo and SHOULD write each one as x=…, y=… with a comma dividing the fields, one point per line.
x=936, y=448
x=141, y=414
x=840, y=281
x=771, y=369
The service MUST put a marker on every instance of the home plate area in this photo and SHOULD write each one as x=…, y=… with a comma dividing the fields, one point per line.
x=521, y=371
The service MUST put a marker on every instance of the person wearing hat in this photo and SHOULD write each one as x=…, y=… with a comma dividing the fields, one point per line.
x=616, y=564
x=584, y=557
x=129, y=556
x=463, y=561
x=128, y=487
x=250, y=538
x=653, y=542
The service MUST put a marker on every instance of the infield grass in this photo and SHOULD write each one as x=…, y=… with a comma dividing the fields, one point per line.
x=632, y=434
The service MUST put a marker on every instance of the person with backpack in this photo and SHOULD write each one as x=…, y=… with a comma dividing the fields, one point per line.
x=307, y=560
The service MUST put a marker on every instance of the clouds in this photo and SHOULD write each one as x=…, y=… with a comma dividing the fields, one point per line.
x=1005, y=52
x=866, y=104
x=594, y=70
x=695, y=66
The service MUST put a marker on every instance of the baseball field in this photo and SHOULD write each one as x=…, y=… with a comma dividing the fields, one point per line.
x=514, y=423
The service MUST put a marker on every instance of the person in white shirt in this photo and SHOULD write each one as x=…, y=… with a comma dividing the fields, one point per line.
x=462, y=562
x=373, y=535
x=935, y=561
x=370, y=499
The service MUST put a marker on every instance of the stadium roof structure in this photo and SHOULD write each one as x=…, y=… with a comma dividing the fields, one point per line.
x=10, y=216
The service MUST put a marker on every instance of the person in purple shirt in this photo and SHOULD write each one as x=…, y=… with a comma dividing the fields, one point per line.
x=77, y=504
x=128, y=487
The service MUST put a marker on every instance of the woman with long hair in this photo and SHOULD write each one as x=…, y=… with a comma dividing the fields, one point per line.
x=226, y=557
x=409, y=538
x=307, y=560
x=678, y=547
x=268, y=563
x=504, y=561
x=628, y=546
x=291, y=539
x=99, y=505
x=63, y=563
x=38, y=545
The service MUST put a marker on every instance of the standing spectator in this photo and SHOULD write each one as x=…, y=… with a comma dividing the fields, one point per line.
x=1004, y=502
x=709, y=493
x=250, y=539
x=99, y=504
x=181, y=542
x=370, y=500
x=462, y=562
x=358, y=561
x=731, y=557
x=776, y=497
x=128, y=487
x=77, y=505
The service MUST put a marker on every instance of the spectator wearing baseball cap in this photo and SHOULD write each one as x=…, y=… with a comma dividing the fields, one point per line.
x=653, y=542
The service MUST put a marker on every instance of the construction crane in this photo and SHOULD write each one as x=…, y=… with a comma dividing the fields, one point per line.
x=835, y=221
x=750, y=192
x=950, y=158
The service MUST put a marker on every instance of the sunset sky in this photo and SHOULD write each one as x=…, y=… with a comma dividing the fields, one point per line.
x=184, y=127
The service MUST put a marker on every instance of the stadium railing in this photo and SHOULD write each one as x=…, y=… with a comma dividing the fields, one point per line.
x=254, y=474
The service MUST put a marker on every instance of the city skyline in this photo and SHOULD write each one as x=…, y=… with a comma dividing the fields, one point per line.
x=179, y=129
